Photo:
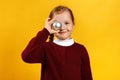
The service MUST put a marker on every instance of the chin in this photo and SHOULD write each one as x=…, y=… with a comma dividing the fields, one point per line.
x=63, y=38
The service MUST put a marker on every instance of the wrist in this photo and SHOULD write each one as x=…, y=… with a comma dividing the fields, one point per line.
x=48, y=30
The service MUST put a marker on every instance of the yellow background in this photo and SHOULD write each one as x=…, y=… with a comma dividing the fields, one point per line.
x=97, y=26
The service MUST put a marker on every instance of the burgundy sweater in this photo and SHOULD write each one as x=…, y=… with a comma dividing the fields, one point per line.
x=58, y=62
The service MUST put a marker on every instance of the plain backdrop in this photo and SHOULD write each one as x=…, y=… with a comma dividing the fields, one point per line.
x=97, y=26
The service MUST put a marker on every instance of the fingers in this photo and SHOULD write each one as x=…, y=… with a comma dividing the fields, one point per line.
x=48, y=25
x=50, y=21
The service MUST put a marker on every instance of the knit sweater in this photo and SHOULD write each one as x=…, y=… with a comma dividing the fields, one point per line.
x=58, y=62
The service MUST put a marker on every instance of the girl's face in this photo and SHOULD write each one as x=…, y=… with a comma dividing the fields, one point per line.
x=67, y=25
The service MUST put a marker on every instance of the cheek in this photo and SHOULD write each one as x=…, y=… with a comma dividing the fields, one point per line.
x=70, y=28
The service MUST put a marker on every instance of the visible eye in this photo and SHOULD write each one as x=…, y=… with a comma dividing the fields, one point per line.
x=66, y=22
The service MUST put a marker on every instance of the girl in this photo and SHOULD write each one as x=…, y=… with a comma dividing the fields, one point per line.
x=62, y=58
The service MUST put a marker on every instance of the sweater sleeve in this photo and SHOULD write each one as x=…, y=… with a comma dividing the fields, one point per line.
x=34, y=52
x=86, y=70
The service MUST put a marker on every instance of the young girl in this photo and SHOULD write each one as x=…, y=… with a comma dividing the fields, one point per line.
x=62, y=58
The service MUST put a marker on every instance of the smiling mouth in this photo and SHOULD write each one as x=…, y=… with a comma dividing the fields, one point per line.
x=62, y=32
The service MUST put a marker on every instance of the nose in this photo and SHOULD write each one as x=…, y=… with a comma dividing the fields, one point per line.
x=63, y=27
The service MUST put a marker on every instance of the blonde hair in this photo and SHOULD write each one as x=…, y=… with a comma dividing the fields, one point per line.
x=60, y=9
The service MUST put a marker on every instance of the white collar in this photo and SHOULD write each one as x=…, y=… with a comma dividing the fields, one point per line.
x=67, y=42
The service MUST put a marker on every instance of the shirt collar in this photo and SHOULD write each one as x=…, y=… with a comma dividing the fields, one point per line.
x=67, y=42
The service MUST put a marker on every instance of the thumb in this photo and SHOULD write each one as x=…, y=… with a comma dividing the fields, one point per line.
x=55, y=31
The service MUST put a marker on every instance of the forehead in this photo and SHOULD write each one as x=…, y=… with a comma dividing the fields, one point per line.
x=63, y=15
